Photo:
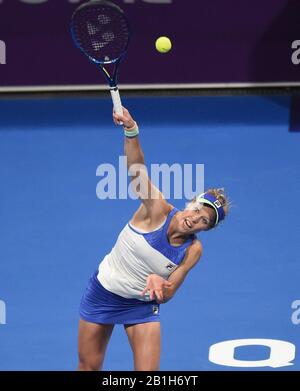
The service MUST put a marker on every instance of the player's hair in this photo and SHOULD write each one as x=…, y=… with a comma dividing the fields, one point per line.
x=219, y=193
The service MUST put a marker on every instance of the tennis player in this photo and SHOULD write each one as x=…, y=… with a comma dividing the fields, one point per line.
x=148, y=263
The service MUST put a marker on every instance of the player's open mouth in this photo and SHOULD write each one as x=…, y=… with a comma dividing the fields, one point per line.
x=187, y=223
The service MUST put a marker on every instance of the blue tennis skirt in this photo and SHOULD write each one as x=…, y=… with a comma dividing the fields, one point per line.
x=98, y=305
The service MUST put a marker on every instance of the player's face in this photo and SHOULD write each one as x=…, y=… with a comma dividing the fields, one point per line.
x=196, y=218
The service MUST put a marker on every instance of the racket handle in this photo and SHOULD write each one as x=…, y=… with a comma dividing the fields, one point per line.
x=115, y=95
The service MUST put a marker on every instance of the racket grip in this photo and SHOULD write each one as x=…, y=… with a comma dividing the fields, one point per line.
x=115, y=95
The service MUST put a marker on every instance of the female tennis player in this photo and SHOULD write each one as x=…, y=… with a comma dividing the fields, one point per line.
x=148, y=263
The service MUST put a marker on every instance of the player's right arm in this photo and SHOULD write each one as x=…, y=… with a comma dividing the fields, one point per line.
x=150, y=196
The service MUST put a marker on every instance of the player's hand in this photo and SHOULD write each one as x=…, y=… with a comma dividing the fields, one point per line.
x=156, y=285
x=126, y=118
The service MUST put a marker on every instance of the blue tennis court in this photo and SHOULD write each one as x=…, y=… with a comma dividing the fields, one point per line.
x=54, y=229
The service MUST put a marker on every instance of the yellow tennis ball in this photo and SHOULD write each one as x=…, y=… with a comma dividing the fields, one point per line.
x=163, y=44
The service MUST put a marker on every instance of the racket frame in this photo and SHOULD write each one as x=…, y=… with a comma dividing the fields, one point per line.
x=111, y=78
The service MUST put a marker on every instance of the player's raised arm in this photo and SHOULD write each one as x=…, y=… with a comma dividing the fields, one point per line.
x=149, y=194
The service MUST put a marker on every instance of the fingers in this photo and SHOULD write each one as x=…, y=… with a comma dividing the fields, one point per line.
x=152, y=294
x=117, y=118
x=155, y=286
x=123, y=116
x=124, y=119
x=144, y=291
x=159, y=296
x=155, y=294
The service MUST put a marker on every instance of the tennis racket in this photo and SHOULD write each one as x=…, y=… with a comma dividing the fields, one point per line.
x=101, y=31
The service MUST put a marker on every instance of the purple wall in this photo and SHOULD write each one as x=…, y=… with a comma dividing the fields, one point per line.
x=218, y=41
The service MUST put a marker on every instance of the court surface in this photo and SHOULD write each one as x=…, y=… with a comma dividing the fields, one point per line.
x=54, y=229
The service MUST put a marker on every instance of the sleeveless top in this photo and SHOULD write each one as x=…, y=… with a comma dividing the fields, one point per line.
x=136, y=255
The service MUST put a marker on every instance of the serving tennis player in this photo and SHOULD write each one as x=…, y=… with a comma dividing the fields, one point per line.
x=149, y=261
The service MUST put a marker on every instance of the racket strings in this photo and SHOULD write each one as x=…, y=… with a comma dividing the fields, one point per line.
x=104, y=19
x=101, y=33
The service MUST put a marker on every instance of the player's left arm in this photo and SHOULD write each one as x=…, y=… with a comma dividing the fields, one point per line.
x=192, y=256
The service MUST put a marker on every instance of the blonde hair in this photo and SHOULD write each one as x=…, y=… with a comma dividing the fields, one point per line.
x=220, y=195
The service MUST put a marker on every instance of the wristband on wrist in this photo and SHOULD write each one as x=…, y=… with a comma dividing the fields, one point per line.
x=131, y=132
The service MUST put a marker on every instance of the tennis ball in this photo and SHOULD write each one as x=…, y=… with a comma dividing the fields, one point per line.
x=163, y=44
